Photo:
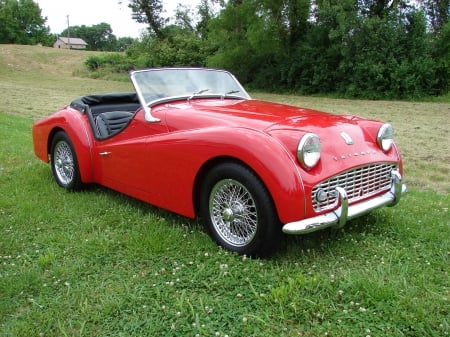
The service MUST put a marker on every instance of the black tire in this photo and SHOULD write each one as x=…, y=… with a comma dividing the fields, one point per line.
x=238, y=211
x=64, y=162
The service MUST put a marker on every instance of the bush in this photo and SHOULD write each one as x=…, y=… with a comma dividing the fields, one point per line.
x=179, y=47
x=114, y=62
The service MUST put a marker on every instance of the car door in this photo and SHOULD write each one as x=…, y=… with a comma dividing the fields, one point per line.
x=124, y=162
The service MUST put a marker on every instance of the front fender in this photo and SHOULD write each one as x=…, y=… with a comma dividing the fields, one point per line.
x=75, y=125
x=268, y=158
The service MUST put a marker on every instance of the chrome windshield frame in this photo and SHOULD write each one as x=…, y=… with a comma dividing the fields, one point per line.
x=188, y=96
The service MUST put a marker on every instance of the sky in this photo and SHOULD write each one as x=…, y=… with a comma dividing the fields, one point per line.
x=93, y=12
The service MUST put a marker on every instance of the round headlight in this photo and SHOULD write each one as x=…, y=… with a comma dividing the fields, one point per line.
x=308, y=151
x=385, y=137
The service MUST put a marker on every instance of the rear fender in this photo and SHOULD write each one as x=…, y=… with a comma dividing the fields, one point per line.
x=76, y=126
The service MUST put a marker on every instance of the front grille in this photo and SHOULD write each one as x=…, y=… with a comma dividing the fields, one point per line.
x=359, y=183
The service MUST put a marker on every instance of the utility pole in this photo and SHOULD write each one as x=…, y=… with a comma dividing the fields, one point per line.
x=68, y=32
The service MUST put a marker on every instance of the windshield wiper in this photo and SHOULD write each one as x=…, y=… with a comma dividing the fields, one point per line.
x=202, y=91
x=231, y=92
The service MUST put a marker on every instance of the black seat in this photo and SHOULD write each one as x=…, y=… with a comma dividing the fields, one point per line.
x=107, y=107
x=111, y=122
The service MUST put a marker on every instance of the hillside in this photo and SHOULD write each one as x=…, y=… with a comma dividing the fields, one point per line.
x=42, y=60
x=35, y=81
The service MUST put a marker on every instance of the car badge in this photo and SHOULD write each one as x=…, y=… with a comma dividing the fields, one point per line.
x=347, y=138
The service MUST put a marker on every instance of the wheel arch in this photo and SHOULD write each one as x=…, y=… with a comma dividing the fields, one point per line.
x=207, y=166
x=82, y=151
x=287, y=197
x=50, y=137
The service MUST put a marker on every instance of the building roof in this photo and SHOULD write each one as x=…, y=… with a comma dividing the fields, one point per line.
x=73, y=41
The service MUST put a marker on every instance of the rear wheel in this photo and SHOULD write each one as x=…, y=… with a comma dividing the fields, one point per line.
x=64, y=162
x=239, y=211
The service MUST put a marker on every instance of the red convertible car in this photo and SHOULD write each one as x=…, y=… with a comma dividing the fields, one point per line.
x=192, y=141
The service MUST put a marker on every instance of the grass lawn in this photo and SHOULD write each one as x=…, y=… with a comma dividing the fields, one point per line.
x=97, y=263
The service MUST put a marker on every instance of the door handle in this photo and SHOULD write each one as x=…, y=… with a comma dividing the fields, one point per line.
x=104, y=154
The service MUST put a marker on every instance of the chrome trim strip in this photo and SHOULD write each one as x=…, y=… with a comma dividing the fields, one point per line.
x=338, y=218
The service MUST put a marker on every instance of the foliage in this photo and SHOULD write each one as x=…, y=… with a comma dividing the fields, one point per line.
x=180, y=47
x=103, y=65
x=98, y=37
x=389, y=58
x=228, y=37
x=149, y=12
x=372, y=49
x=124, y=42
x=437, y=11
x=367, y=49
x=21, y=23
x=441, y=53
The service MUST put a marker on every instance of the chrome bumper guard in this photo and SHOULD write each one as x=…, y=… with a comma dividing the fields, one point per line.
x=339, y=217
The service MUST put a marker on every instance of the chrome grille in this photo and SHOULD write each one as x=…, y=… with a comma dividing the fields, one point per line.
x=359, y=183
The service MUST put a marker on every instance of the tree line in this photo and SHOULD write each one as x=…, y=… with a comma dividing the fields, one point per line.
x=354, y=48
x=21, y=22
x=377, y=49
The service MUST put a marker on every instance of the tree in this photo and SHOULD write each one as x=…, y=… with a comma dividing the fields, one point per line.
x=124, y=42
x=381, y=50
x=205, y=13
x=149, y=12
x=380, y=8
x=229, y=40
x=438, y=12
x=21, y=22
x=255, y=38
x=358, y=48
x=180, y=47
x=442, y=55
x=183, y=18
x=178, y=44
x=98, y=37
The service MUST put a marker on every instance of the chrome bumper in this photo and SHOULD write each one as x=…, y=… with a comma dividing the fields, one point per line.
x=338, y=218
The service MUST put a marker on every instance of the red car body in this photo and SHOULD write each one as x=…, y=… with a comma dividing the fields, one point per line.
x=165, y=162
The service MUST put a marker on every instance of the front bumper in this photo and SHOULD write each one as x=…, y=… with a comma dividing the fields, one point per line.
x=339, y=217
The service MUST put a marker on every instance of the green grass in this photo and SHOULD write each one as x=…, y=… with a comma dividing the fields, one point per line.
x=97, y=263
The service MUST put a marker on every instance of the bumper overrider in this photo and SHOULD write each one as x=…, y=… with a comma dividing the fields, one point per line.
x=339, y=217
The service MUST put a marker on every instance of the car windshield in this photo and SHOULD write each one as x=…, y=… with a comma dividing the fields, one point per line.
x=155, y=84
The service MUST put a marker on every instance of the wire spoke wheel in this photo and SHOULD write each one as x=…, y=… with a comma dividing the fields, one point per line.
x=238, y=210
x=233, y=212
x=64, y=162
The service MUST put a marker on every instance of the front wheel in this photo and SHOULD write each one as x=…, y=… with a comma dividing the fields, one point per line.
x=64, y=162
x=239, y=211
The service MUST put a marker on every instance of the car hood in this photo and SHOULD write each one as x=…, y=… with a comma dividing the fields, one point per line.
x=341, y=135
x=253, y=114
x=259, y=115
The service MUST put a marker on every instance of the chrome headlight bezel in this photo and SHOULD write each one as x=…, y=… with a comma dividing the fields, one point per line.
x=385, y=137
x=309, y=150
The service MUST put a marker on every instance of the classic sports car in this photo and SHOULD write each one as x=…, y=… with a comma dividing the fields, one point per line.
x=192, y=141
